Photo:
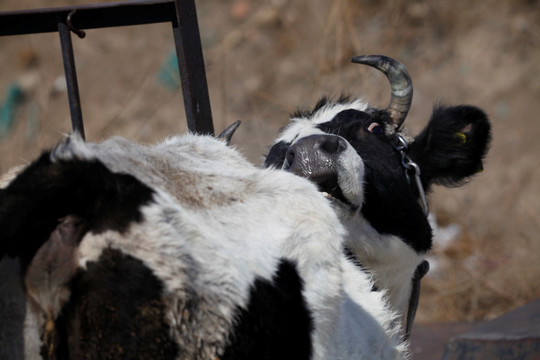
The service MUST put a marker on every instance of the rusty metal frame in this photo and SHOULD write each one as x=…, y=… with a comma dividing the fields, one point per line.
x=181, y=14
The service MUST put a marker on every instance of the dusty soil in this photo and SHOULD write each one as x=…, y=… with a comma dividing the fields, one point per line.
x=265, y=59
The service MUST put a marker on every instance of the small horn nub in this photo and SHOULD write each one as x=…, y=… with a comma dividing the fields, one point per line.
x=226, y=135
x=400, y=83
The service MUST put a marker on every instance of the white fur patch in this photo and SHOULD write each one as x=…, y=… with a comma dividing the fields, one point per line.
x=216, y=223
x=387, y=257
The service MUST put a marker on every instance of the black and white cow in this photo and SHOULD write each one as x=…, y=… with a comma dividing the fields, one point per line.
x=181, y=250
x=377, y=177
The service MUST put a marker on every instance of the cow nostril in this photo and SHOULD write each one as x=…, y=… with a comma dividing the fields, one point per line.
x=289, y=159
x=333, y=145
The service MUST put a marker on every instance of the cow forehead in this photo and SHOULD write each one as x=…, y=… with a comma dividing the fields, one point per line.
x=300, y=127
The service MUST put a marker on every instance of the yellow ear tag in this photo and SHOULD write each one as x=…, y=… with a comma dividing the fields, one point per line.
x=480, y=169
x=462, y=137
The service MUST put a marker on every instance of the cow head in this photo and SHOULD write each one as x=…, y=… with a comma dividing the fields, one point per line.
x=377, y=176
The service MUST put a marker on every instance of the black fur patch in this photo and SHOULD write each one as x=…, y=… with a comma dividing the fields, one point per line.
x=12, y=310
x=392, y=209
x=115, y=312
x=276, y=323
x=31, y=206
x=276, y=155
x=453, y=145
x=390, y=205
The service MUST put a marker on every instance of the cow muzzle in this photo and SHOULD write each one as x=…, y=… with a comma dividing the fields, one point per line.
x=331, y=163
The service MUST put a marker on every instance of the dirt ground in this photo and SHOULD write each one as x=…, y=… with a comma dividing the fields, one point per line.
x=267, y=58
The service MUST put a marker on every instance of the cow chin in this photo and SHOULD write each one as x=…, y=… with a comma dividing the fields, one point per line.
x=346, y=203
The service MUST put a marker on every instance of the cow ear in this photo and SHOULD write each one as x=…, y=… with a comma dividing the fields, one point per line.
x=452, y=146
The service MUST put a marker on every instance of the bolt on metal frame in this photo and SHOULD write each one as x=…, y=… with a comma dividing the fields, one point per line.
x=181, y=14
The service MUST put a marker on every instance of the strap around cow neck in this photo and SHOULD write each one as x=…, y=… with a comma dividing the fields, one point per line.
x=419, y=273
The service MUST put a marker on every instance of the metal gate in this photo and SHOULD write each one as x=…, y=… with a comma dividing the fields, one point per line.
x=75, y=19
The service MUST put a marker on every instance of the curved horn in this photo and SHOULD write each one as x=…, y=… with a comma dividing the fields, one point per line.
x=400, y=83
x=226, y=135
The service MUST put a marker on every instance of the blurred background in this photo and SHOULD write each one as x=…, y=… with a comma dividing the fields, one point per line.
x=265, y=59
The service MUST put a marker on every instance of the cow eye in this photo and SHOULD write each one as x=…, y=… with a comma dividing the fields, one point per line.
x=375, y=128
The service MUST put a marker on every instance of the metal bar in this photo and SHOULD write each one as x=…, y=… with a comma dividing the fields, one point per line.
x=132, y=12
x=71, y=79
x=192, y=71
x=181, y=13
